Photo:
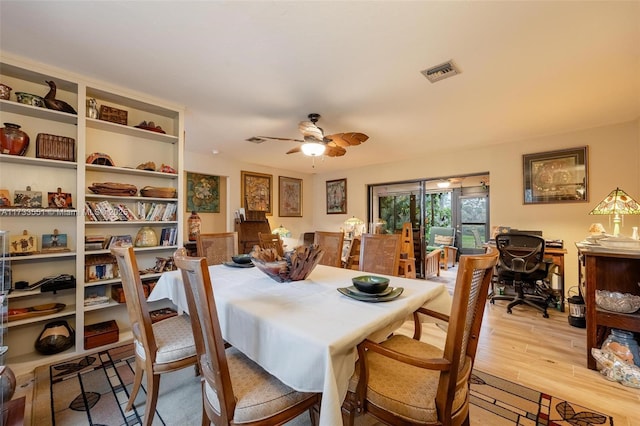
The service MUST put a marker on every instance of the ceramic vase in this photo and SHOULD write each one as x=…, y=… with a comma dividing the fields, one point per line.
x=5, y=92
x=7, y=383
x=194, y=223
x=146, y=237
x=14, y=141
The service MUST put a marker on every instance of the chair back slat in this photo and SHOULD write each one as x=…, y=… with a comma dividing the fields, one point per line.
x=207, y=333
x=331, y=244
x=217, y=248
x=136, y=302
x=467, y=310
x=380, y=253
x=271, y=241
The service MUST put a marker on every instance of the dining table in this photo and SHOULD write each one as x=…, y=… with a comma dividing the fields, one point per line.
x=305, y=332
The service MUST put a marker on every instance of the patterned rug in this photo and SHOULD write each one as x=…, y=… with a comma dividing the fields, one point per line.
x=93, y=390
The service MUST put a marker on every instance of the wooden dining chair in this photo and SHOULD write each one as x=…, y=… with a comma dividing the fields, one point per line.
x=331, y=244
x=235, y=389
x=380, y=253
x=432, y=263
x=403, y=381
x=160, y=347
x=271, y=241
x=218, y=247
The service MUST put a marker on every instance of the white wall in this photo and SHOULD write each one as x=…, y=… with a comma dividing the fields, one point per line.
x=614, y=161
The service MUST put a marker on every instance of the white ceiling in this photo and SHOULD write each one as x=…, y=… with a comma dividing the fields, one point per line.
x=246, y=68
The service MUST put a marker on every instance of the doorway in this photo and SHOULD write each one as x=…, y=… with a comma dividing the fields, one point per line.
x=458, y=202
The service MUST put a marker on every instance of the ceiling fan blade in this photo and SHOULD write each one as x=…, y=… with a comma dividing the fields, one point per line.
x=279, y=139
x=295, y=150
x=332, y=150
x=307, y=128
x=348, y=139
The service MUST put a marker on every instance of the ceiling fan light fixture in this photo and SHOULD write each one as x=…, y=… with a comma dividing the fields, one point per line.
x=313, y=149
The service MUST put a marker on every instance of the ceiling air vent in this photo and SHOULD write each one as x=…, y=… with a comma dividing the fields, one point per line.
x=440, y=72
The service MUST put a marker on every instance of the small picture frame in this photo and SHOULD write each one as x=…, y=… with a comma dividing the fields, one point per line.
x=54, y=242
x=290, y=197
x=24, y=244
x=99, y=272
x=27, y=199
x=556, y=176
x=337, y=196
x=5, y=198
x=59, y=200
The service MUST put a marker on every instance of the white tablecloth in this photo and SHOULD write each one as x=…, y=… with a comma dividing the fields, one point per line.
x=304, y=332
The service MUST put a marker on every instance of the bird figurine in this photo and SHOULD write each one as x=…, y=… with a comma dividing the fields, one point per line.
x=52, y=103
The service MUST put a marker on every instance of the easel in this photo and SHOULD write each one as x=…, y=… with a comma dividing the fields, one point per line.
x=407, y=265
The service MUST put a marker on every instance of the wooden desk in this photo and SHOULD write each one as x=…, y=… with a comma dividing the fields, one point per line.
x=612, y=271
x=557, y=256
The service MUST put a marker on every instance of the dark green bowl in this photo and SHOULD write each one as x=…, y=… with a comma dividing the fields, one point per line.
x=242, y=259
x=371, y=284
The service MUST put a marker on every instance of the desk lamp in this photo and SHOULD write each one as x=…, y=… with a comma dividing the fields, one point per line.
x=617, y=203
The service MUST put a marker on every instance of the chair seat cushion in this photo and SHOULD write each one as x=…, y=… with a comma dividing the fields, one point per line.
x=407, y=391
x=174, y=339
x=258, y=394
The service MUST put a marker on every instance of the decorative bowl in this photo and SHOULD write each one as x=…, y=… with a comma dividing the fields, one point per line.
x=295, y=266
x=29, y=99
x=241, y=259
x=620, y=243
x=626, y=303
x=371, y=284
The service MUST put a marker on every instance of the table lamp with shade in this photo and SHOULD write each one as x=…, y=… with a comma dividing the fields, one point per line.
x=282, y=231
x=353, y=227
x=617, y=204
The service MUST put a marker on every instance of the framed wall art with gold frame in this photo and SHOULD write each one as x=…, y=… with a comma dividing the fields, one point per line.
x=289, y=197
x=256, y=191
x=556, y=176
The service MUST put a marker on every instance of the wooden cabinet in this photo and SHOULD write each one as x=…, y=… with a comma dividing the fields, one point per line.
x=614, y=271
x=128, y=146
x=248, y=233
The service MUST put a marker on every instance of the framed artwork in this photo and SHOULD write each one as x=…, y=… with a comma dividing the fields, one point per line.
x=59, y=200
x=203, y=193
x=255, y=191
x=290, y=197
x=54, y=242
x=556, y=176
x=5, y=198
x=23, y=244
x=337, y=196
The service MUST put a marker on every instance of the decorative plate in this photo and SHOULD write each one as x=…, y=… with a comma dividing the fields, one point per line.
x=393, y=294
x=239, y=265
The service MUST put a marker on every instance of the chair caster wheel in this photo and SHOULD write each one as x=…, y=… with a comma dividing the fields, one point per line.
x=545, y=315
x=509, y=311
x=492, y=301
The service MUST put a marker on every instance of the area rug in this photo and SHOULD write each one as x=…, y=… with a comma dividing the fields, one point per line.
x=94, y=389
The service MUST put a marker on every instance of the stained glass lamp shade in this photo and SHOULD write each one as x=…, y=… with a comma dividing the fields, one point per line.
x=282, y=231
x=617, y=203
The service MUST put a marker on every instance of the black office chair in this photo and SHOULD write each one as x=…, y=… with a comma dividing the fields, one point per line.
x=522, y=262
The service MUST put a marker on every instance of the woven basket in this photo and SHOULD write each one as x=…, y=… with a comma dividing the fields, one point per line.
x=158, y=192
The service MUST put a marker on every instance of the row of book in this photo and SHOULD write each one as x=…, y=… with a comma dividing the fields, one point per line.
x=168, y=237
x=104, y=211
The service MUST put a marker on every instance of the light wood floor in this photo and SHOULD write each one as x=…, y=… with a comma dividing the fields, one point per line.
x=549, y=355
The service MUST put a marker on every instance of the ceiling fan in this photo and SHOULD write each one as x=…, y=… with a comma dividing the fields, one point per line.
x=315, y=142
